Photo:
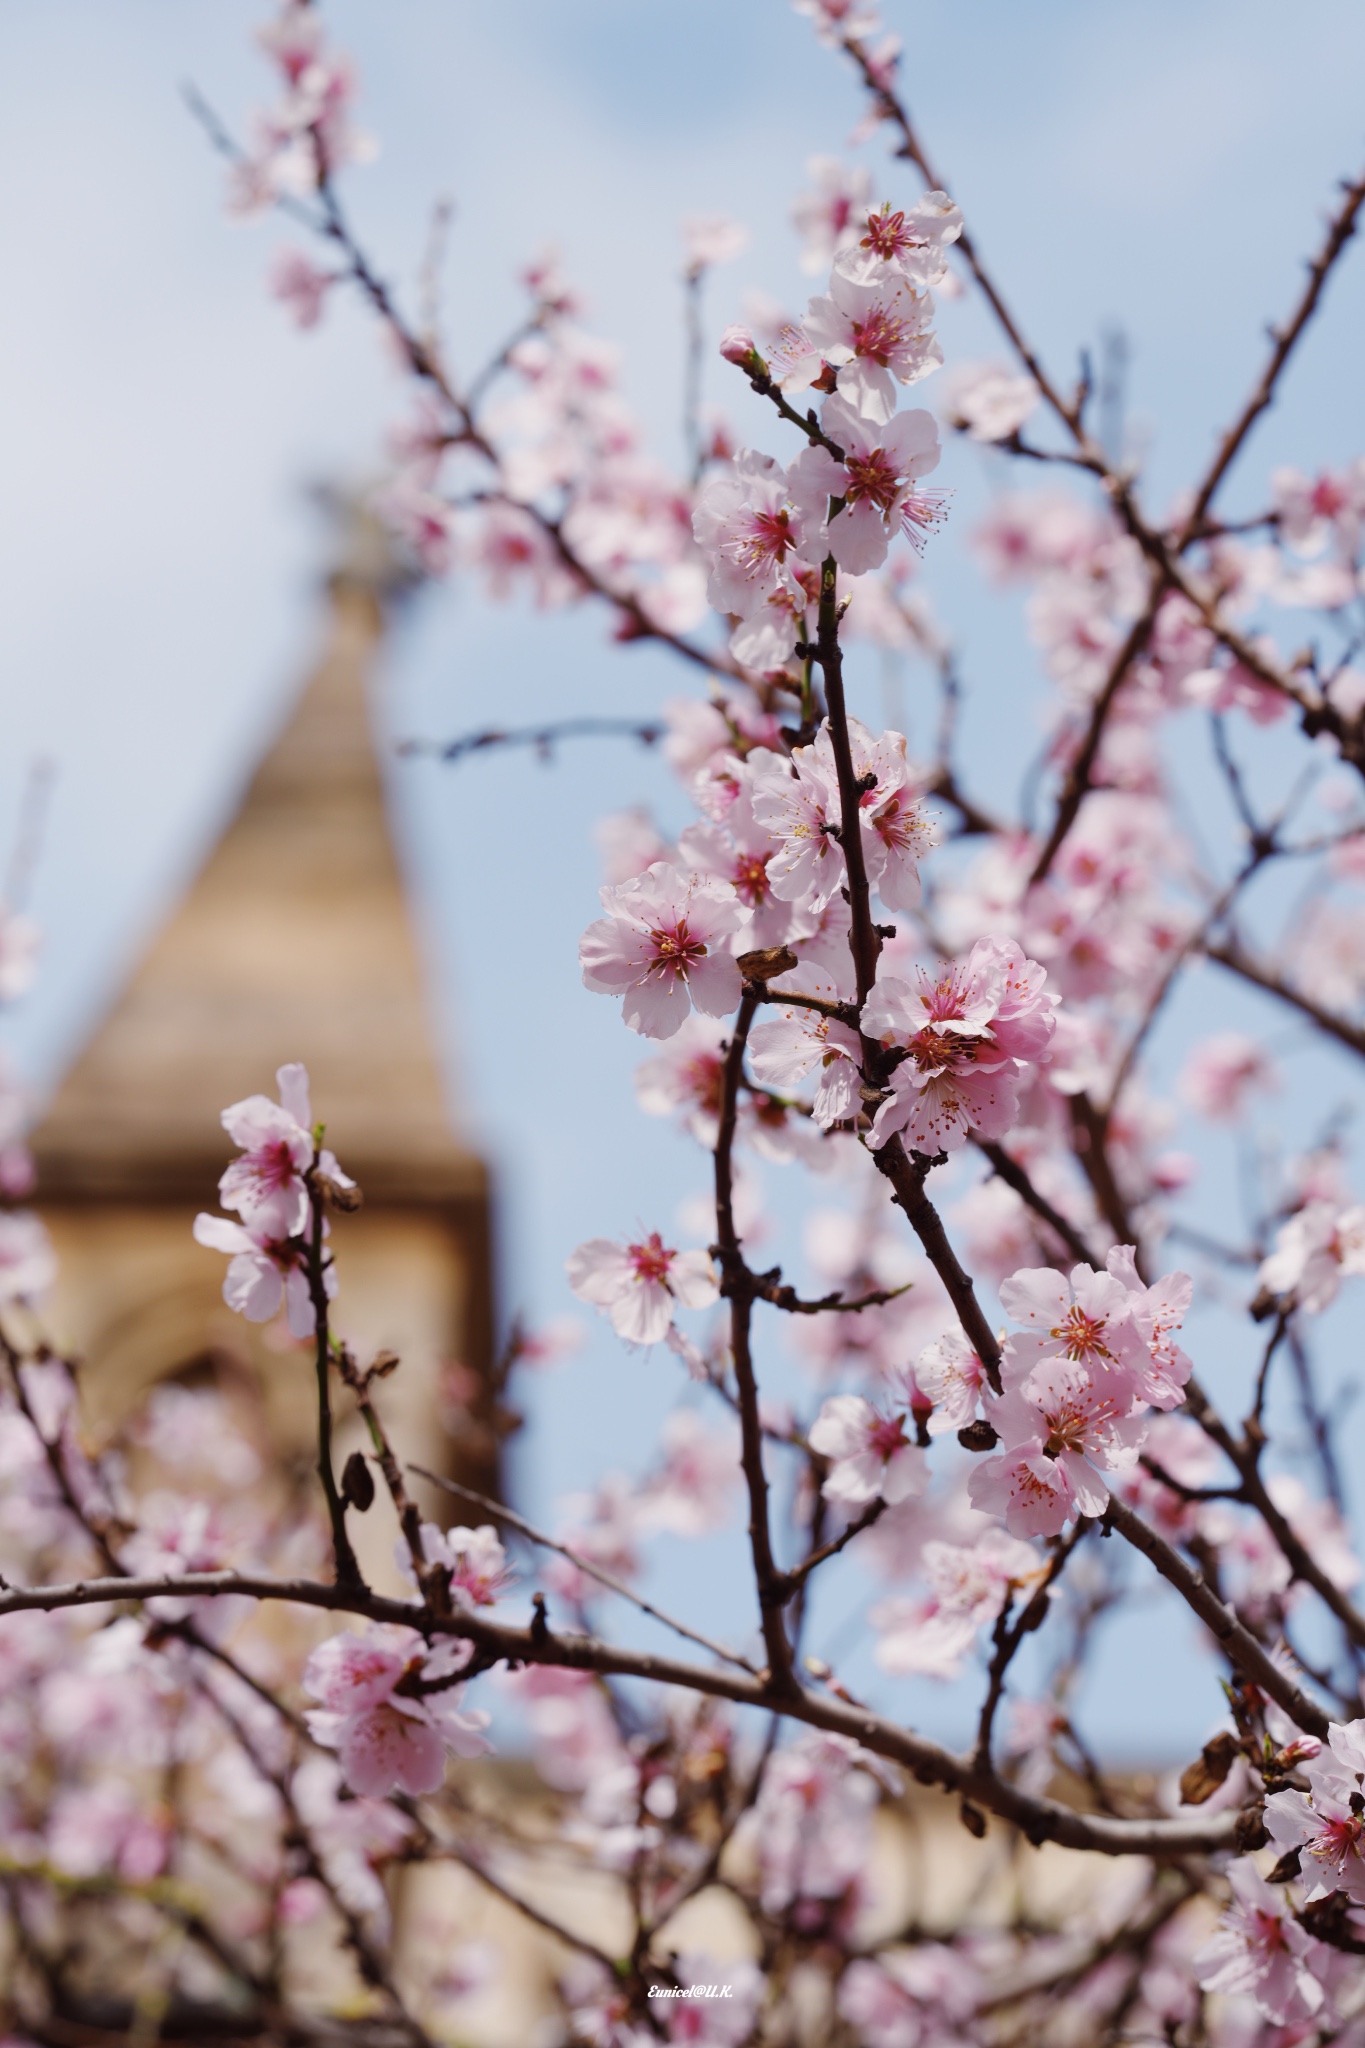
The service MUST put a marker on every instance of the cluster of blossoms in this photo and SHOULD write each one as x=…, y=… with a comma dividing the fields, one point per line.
x=1094, y=1356
x=954, y=1038
x=269, y=1189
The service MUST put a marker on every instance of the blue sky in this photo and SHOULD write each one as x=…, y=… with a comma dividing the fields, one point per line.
x=1156, y=164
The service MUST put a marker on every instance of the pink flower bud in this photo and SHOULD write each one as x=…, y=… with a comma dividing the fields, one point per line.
x=737, y=346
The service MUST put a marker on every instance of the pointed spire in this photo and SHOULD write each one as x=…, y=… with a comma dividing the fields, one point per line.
x=293, y=943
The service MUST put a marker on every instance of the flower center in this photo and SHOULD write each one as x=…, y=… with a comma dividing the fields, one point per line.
x=887, y=235
x=1083, y=1335
x=676, y=951
x=881, y=336
x=872, y=479
x=765, y=538
x=651, y=1260
x=886, y=1436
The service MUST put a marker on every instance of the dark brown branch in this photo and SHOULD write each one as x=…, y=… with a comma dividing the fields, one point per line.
x=1341, y=228
x=793, y=1580
x=863, y=938
x=541, y=737
x=1012, y=1173
x=344, y=1558
x=582, y=1564
x=1041, y=1820
x=1240, y=1647
x=906, y=1173
x=1230, y=953
x=737, y=1284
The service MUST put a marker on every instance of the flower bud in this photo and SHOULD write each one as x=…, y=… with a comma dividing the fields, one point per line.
x=737, y=346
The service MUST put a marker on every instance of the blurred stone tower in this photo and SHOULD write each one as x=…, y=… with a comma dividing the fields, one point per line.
x=294, y=942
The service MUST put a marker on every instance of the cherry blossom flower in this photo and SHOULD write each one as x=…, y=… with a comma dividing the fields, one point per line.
x=1157, y=1312
x=1260, y=1949
x=812, y=1821
x=712, y=238
x=750, y=529
x=877, y=482
x=19, y=942
x=909, y=1998
x=967, y=1037
x=1325, y=1823
x=479, y=1570
x=797, y=803
x=639, y=1284
x=949, y=1374
x=1223, y=1072
x=1314, y=1251
x=266, y=1185
x=875, y=335
x=988, y=401
x=264, y=1272
x=662, y=947
x=1086, y=1320
x=28, y=1264
x=790, y=1045
x=387, y=1739
x=868, y=1452
x=910, y=243
x=300, y=286
x=737, y=346
x=838, y=21
x=968, y=1587
x=692, y=1492
x=422, y=519
x=829, y=218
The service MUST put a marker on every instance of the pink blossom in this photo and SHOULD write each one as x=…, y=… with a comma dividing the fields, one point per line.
x=967, y=1037
x=1223, y=1072
x=385, y=1738
x=639, y=1284
x=421, y=518
x=910, y=243
x=749, y=528
x=28, y=1264
x=712, y=238
x=266, y=1185
x=662, y=947
x=792, y=1044
x=1087, y=1320
x=479, y=1571
x=300, y=286
x=264, y=1272
x=1157, y=1312
x=830, y=217
x=1034, y=1493
x=737, y=346
x=1325, y=1823
x=909, y=1998
x=877, y=481
x=1314, y=1251
x=693, y=1491
x=711, y=2022
x=797, y=803
x=875, y=335
x=812, y=1822
x=968, y=1585
x=838, y=21
x=738, y=848
x=949, y=1374
x=988, y=400
x=19, y=942
x=687, y=1077
x=1261, y=1950
x=868, y=1453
